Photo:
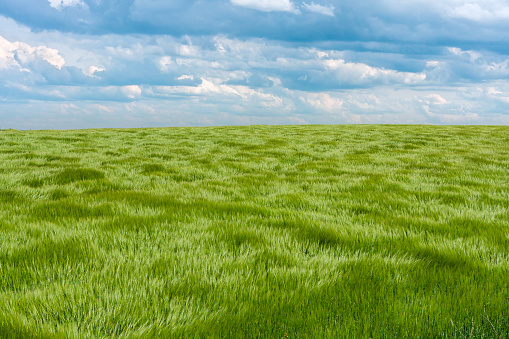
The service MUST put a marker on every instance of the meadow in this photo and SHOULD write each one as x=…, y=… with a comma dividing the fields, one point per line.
x=367, y=231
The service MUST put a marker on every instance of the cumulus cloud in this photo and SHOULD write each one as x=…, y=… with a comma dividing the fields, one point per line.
x=228, y=78
x=18, y=54
x=268, y=5
x=207, y=86
x=319, y=9
x=7, y=52
x=92, y=70
x=218, y=91
x=323, y=101
x=360, y=73
x=436, y=99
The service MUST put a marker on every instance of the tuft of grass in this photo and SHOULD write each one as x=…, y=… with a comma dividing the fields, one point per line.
x=152, y=168
x=56, y=210
x=34, y=183
x=70, y=175
x=58, y=194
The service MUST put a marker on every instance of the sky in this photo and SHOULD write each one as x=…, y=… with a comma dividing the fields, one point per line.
x=68, y=64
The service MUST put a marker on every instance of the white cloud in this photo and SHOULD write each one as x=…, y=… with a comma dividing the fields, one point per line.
x=92, y=70
x=59, y=4
x=469, y=64
x=219, y=91
x=475, y=12
x=197, y=63
x=7, y=59
x=436, y=99
x=131, y=91
x=165, y=63
x=268, y=5
x=186, y=50
x=498, y=93
x=498, y=67
x=207, y=86
x=323, y=101
x=471, y=54
x=275, y=81
x=16, y=54
x=49, y=54
x=185, y=77
x=250, y=49
x=322, y=54
x=359, y=73
x=120, y=51
x=319, y=9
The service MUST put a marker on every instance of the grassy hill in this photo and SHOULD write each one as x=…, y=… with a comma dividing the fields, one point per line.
x=262, y=231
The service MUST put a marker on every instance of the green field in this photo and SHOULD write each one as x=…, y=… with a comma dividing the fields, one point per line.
x=363, y=231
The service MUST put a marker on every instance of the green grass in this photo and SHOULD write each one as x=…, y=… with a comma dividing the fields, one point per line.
x=260, y=231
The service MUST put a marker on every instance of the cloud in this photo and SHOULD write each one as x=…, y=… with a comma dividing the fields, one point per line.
x=319, y=9
x=436, y=99
x=471, y=54
x=18, y=55
x=185, y=77
x=7, y=59
x=476, y=12
x=421, y=23
x=131, y=91
x=94, y=69
x=268, y=5
x=114, y=60
x=215, y=89
x=362, y=74
x=471, y=65
x=284, y=6
x=292, y=69
x=323, y=101
x=219, y=106
x=165, y=63
x=59, y=4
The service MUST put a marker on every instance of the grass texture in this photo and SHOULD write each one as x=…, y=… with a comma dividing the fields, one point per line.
x=255, y=232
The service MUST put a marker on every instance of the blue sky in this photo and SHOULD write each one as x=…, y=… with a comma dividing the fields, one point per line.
x=141, y=63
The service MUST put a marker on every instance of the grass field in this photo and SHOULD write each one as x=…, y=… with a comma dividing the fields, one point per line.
x=241, y=232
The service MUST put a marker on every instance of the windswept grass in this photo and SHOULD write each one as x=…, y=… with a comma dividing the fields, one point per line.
x=303, y=231
x=70, y=175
